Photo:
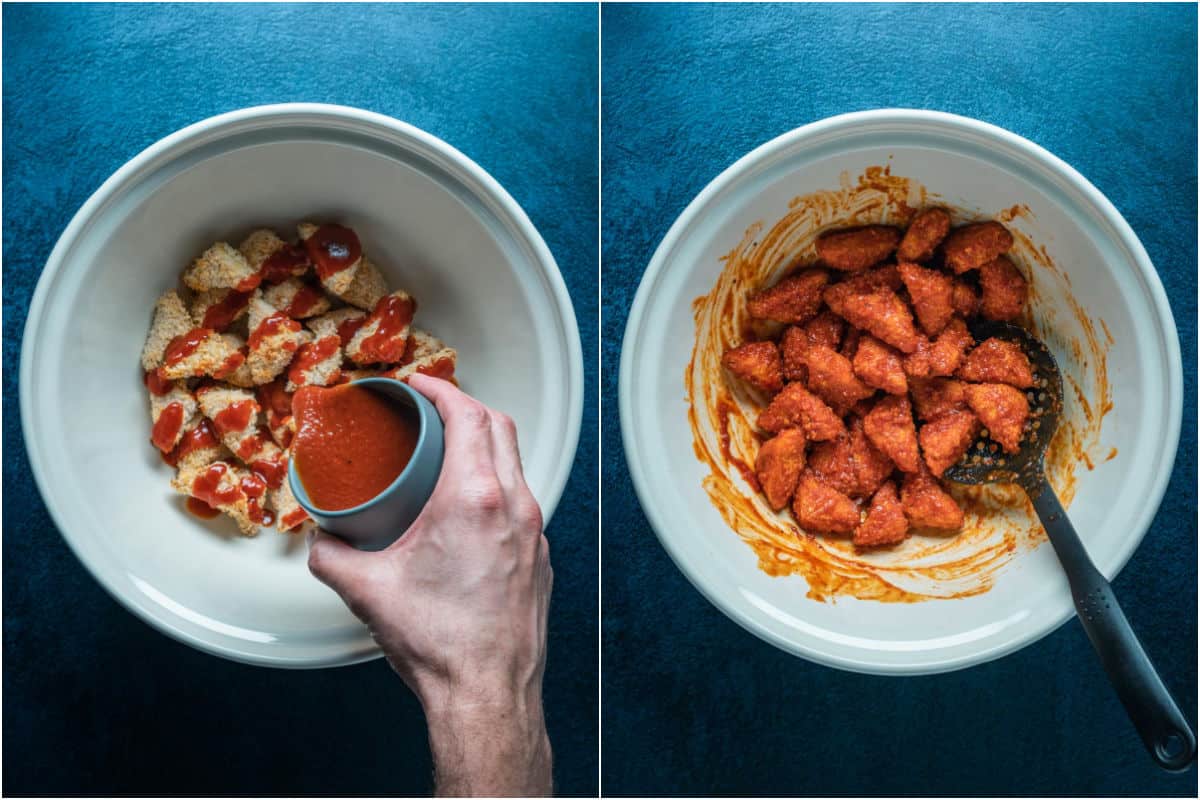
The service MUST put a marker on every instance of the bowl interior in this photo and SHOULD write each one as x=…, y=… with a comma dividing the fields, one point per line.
x=480, y=283
x=1114, y=502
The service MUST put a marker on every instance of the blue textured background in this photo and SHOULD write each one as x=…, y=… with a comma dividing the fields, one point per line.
x=95, y=701
x=692, y=704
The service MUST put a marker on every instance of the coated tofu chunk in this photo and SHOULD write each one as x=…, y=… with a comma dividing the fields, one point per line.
x=198, y=447
x=171, y=319
x=342, y=322
x=317, y=363
x=972, y=246
x=778, y=465
x=383, y=338
x=794, y=300
x=274, y=340
x=221, y=267
x=942, y=356
x=360, y=283
x=217, y=309
x=927, y=504
x=850, y=463
x=273, y=258
x=289, y=515
x=879, y=366
x=1004, y=290
x=831, y=377
x=998, y=361
x=821, y=508
x=932, y=295
x=924, y=234
x=885, y=523
x=276, y=404
x=795, y=407
x=824, y=329
x=853, y=249
x=296, y=298
x=965, y=299
x=439, y=364
x=885, y=277
x=172, y=412
x=946, y=439
x=757, y=364
x=234, y=417
x=198, y=353
x=1002, y=409
x=932, y=397
x=889, y=425
x=882, y=313
x=222, y=485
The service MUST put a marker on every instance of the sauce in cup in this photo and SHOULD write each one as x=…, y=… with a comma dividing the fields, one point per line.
x=351, y=443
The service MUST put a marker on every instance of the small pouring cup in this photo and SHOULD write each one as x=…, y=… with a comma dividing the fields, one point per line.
x=377, y=523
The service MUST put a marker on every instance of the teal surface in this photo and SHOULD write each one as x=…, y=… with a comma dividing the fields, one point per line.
x=692, y=703
x=95, y=701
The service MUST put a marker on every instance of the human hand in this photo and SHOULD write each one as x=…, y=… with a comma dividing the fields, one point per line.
x=459, y=603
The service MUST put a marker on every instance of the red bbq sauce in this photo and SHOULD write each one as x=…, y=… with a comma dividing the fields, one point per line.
x=208, y=489
x=394, y=314
x=230, y=365
x=157, y=385
x=303, y=301
x=221, y=315
x=249, y=284
x=349, y=327
x=350, y=444
x=236, y=417
x=332, y=249
x=198, y=438
x=166, y=427
x=276, y=323
x=285, y=262
x=309, y=356
x=201, y=509
x=184, y=345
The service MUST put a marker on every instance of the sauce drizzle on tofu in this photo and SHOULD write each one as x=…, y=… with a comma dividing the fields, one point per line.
x=332, y=249
x=393, y=313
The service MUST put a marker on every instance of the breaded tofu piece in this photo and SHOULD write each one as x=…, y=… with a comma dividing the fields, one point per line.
x=274, y=340
x=885, y=522
x=820, y=508
x=172, y=412
x=440, y=364
x=850, y=343
x=383, y=338
x=850, y=463
x=965, y=299
x=1004, y=290
x=342, y=322
x=795, y=407
x=932, y=295
x=234, y=416
x=358, y=282
x=240, y=376
x=924, y=234
x=831, y=377
x=171, y=319
x=276, y=404
x=223, y=485
x=946, y=439
x=793, y=347
x=778, y=465
x=927, y=504
x=421, y=344
x=880, y=366
x=289, y=516
x=221, y=267
x=268, y=461
x=1002, y=409
x=890, y=427
x=882, y=313
x=972, y=246
x=217, y=309
x=317, y=363
x=942, y=356
x=932, y=397
x=884, y=277
x=273, y=258
x=998, y=361
x=199, y=352
x=198, y=447
x=756, y=363
x=296, y=298
x=794, y=300
x=852, y=249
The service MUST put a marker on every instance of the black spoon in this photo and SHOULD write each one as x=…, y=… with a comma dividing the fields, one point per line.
x=1162, y=726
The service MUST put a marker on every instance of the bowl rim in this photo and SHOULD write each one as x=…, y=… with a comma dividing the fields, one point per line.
x=745, y=166
x=214, y=128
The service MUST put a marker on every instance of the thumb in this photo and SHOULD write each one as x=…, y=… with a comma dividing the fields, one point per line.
x=336, y=564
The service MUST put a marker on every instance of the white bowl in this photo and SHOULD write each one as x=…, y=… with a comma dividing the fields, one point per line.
x=973, y=166
x=437, y=224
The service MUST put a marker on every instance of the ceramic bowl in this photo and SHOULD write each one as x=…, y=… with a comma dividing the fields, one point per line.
x=1103, y=286
x=438, y=226
x=377, y=523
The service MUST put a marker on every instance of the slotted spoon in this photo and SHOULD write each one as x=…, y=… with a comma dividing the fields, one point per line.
x=1158, y=720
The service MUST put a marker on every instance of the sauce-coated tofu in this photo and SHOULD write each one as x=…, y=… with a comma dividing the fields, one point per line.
x=924, y=234
x=831, y=377
x=1002, y=409
x=852, y=249
x=928, y=505
x=885, y=522
x=972, y=246
x=794, y=300
x=932, y=295
x=756, y=363
x=794, y=407
x=998, y=361
x=778, y=465
x=946, y=439
x=889, y=426
x=1004, y=290
x=821, y=508
x=880, y=366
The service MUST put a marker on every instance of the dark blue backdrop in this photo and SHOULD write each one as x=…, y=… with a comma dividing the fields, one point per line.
x=94, y=700
x=692, y=704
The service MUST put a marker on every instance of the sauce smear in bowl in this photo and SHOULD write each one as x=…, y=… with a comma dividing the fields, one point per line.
x=351, y=443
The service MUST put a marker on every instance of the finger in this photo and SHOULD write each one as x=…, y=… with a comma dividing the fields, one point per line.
x=338, y=565
x=506, y=451
x=468, y=426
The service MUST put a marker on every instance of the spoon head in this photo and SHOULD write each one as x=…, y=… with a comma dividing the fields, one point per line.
x=984, y=461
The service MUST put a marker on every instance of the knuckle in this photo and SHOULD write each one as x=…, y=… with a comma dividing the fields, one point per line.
x=475, y=415
x=505, y=422
x=484, y=495
x=529, y=514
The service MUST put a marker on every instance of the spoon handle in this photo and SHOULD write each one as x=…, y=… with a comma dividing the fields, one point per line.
x=1161, y=724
